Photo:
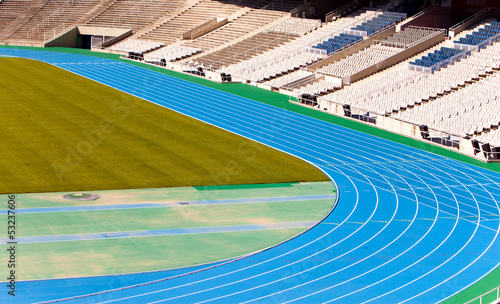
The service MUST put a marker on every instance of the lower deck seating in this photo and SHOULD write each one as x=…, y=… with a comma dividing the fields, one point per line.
x=359, y=61
x=245, y=49
x=138, y=46
x=172, y=52
x=460, y=99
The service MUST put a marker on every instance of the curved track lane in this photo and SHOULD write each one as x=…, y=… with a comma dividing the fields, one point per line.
x=409, y=226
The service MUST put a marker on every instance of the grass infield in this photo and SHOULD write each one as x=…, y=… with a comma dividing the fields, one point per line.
x=62, y=132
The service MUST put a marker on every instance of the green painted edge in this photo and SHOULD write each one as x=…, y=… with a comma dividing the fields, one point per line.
x=245, y=186
x=282, y=101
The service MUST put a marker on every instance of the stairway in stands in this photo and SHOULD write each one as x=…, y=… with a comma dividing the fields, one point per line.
x=20, y=11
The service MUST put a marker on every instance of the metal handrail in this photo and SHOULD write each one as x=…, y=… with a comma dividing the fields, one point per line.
x=469, y=18
x=343, y=7
x=300, y=7
x=423, y=11
x=50, y=16
x=484, y=294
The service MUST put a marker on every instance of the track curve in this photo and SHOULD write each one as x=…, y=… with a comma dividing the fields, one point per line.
x=409, y=226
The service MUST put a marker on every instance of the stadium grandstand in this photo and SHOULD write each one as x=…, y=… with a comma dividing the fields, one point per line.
x=419, y=78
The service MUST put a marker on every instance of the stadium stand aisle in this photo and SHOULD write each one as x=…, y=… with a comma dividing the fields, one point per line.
x=409, y=226
x=51, y=15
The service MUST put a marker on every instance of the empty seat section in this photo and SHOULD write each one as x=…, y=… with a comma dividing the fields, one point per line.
x=53, y=14
x=171, y=30
x=438, y=56
x=338, y=42
x=481, y=34
x=381, y=21
x=10, y=10
x=138, y=46
x=242, y=25
x=135, y=14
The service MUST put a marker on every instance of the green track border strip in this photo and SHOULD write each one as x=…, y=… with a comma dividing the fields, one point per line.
x=282, y=101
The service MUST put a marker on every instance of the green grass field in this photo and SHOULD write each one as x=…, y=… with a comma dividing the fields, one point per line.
x=61, y=132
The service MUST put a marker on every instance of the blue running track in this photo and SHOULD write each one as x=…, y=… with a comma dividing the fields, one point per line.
x=409, y=226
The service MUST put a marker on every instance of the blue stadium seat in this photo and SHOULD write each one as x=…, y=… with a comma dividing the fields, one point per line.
x=481, y=34
x=381, y=21
x=438, y=56
x=337, y=42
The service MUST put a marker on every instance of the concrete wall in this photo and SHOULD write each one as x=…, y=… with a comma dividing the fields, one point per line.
x=72, y=38
x=467, y=23
x=117, y=38
x=204, y=28
x=471, y=7
x=341, y=10
x=437, y=17
x=68, y=39
x=101, y=31
x=318, y=9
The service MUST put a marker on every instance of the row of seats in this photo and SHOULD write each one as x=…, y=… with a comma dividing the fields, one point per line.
x=297, y=26
x=290, y=56
x=436, y=57
x=248, y=22
x=338, y=42
x=384, y=20
x=410, y=35
x=244, y=50
x=135, y=14
x=138, y=46
x=171, y=30
x=378, y=87
x=257, y=44
x=51, y=15
x=468, y=111
x=481, y=34
x=359, y=61
x=405, y=91
x=172, y=52
x=341, y=25
x=317, y=88
x=341, y=34
x=10, y=10
x=492, y=137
